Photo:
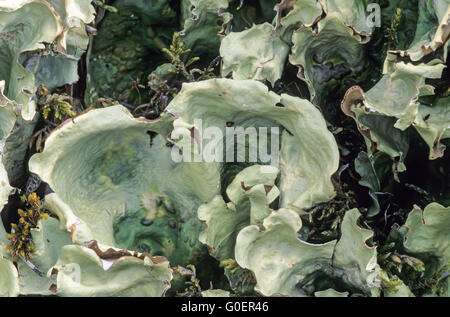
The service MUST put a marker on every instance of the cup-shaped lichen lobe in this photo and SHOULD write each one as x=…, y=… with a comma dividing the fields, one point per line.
x=123, y=186
x=333, y=56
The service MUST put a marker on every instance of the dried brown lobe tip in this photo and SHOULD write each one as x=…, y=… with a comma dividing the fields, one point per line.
x=353, y=96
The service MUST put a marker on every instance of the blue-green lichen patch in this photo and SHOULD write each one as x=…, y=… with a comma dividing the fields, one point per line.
x=153, y=228
x=156, y=228
x=127, y=48
x=115, y=166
